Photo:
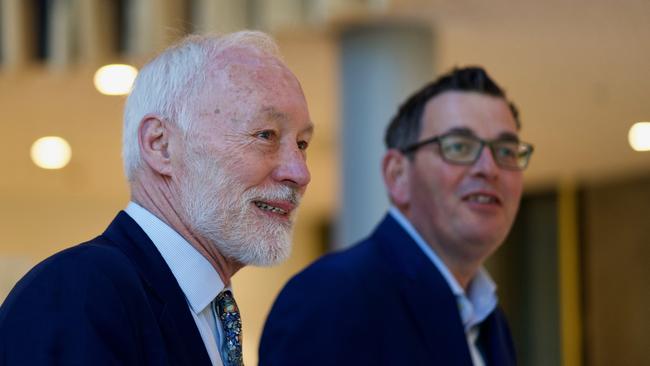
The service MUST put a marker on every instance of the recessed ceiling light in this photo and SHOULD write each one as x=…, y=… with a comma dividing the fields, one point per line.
x=51, y=152
x=115, y=79
x=639, y=136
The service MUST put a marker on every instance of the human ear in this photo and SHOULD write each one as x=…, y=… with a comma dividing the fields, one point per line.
x=153, y=138
x=395, y=169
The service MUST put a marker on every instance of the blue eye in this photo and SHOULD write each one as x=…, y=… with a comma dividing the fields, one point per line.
x=266, y=134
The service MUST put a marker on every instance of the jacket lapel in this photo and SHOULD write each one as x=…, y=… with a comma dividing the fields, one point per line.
x=495, y=340
x=177, y=325
x=429, y=299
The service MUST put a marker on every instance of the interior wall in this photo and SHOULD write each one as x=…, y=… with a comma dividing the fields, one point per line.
x=525, y=269
x=617, y=272
x=43, y=211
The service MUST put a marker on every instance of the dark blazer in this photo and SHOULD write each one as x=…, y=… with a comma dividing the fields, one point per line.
x=110, y=301
x=382, y=302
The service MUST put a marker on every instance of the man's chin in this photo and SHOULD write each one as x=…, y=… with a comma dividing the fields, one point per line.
x=274, y=261
x=268, y=258
x=263, y=245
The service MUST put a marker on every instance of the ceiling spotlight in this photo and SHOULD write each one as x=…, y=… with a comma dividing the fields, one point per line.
x=115, y=79
x=639, y=136
x=51, y=152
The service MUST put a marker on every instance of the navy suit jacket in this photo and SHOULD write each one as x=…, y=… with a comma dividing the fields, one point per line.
x=382, y=302
x=110, y=301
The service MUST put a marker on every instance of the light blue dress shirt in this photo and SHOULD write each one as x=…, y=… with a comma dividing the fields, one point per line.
x=473, y=306
x=196, y=277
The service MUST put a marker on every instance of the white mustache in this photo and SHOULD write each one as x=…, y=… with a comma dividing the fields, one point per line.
x=280, y=193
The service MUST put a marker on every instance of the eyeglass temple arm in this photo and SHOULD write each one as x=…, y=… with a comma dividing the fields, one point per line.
x=419, y=144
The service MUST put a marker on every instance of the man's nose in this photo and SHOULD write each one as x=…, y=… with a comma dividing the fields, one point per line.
x=292, y=168
x=486, y=166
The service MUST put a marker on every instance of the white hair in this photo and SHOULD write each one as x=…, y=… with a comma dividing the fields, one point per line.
x=166, y=85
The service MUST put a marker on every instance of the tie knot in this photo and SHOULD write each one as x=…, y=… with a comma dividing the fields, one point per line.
x=230, y=320
x=226, y=303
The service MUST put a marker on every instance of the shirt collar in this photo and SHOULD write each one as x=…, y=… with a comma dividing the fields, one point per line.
x=196, y=277
x=481, y=298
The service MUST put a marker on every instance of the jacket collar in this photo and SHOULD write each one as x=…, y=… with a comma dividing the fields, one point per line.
x=429, y=299
x=176, y=322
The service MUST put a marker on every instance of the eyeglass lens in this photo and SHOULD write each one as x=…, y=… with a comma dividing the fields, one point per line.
x=467, y=149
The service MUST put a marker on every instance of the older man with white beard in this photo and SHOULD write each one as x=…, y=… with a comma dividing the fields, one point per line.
x=215, y=135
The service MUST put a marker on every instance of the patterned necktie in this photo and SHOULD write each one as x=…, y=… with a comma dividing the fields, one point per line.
x=231, y=322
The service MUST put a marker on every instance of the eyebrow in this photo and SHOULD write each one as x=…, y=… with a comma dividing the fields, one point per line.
x=464, y=131
x=278, y=116
x=309, y=129
x=460, y=131
x=508, y=136
x=273, y=114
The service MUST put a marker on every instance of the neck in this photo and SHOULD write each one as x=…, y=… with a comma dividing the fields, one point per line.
x=462, y=262
x=463, y=273
x=161, y=202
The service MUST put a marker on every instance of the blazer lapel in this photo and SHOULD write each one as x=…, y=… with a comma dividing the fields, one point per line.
x=176, y=322
x=495, y=341
x=429, y=299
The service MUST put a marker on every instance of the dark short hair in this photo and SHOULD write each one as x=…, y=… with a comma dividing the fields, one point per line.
x=404, y=128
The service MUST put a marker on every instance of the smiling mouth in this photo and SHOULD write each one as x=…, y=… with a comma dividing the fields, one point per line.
x=482, y=199
x=266, y=207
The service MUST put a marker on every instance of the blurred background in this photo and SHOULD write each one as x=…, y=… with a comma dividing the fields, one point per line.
x=574, y=275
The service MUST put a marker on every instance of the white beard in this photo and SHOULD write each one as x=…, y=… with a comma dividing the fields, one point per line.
x=219, y=210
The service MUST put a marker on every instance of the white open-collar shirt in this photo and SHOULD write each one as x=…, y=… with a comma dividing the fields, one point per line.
x=196, y=277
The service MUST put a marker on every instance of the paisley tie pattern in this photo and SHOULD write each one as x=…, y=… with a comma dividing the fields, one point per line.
x=228, y=313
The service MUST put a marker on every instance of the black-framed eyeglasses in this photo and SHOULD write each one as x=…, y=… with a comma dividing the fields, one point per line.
x=464, y=149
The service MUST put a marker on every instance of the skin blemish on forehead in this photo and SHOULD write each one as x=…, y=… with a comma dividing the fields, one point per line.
x=248, y=90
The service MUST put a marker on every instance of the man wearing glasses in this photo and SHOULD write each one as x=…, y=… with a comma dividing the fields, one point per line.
x=415, y=292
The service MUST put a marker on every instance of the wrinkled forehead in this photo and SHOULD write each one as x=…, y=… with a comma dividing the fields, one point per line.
x=244, y=68
x=243, y=83
x=239, y=72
